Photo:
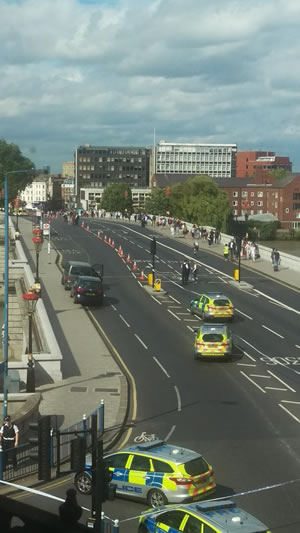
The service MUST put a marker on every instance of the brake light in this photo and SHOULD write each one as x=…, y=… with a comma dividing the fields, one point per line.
x=231, y=307
x=67, y=278
x=79, y=289
x=225, y=343
x=181, y=480
x=199, y=343
x=210, y=307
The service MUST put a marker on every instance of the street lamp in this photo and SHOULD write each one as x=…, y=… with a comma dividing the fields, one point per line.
x=30, y=299
x=38, y=243
x=6, y=276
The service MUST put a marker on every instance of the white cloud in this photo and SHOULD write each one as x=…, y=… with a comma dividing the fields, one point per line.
x=107, y=73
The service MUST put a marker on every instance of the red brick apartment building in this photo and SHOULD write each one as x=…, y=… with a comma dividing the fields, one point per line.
x=248, y=163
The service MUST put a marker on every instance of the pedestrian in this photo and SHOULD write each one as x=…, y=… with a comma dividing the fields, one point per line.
x=196, y=247
x=272, y=256
x=9, y=439
x=253, y=251
x=276, y=260
x=195, y=271
x=231, y=249
x=226, y=252
x=185, y=269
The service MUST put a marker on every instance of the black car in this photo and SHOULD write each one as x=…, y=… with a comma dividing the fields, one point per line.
x=87, y=290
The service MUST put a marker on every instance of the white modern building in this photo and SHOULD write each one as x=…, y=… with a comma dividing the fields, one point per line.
x=91, y=198
x=214, y=160
x=37, y=191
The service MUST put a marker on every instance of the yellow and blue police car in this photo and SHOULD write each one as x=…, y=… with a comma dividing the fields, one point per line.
x=156, y=472
x=212, y=305
x=213, y=340
x=205, y=517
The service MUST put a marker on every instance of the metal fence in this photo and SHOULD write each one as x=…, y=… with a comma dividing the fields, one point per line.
x=27, y=466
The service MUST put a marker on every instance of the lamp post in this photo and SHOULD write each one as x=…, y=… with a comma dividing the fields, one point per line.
x=6, y=276
x=38, y=243
x=30, y=300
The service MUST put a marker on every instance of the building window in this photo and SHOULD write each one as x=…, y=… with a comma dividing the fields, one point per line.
x=296, y=207
x=252, y=194
x=260, y=203
x=235, y=194
x=244, y=194
x=234, y=203
x=252, y=203
x=260, y=194
x=296, y=196
x=276, y=194
x=286, y=210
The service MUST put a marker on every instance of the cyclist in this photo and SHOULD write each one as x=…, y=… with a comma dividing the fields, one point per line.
x=196, y=247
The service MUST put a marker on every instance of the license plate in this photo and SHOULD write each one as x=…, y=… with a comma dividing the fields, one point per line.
x=91, y=294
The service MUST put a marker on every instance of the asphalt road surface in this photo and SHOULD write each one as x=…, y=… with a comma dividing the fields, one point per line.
x=243, y=415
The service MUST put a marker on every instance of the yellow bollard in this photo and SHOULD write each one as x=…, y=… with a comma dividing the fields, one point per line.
x=236, y=274
x=150, y=279
x=157, y=285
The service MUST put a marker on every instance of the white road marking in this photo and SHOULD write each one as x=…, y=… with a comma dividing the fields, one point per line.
x=156, y=300
x=125, y=321
x=183, y=313
x=272, y=331
x=174, y=299
x=276, y=388
x=177, y=272
x=290, y=401
x=244, y=314
x=134, y=275
x=191, y=329
x=162, y=260
x=128, y=267
x=139, y=246
x=253, y=382
x=114, y=308
x=277, y=302
x=148, y=252
x=170, y=433
x=140, y=340
x=171, y=312
x=161, y=367
x=297, y=346
x=190, y=320
x=245, y=364
x=259, y=376
x=140, y=283
x=132, y=242
x=177, y=307
x=178, y=398
x=289, y=413
x=256, y=349
x=125, y=238
x=281, y=381
x=208, y=270
x=250, y=357
x=177, y=284
x=223, y=280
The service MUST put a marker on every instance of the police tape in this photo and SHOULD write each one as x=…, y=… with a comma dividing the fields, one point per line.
x=230, y=496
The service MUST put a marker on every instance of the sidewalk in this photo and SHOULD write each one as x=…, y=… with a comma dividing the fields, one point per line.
x=95, y=373
x=260, y=266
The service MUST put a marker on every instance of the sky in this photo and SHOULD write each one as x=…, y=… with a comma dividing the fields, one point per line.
x=107, y=72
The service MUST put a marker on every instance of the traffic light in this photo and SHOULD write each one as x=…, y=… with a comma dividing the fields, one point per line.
x=78, y=452
x=42, y=439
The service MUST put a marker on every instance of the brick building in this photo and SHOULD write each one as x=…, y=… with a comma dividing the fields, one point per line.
x=249, y=163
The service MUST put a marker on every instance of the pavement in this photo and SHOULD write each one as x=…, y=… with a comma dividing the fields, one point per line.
x=93, y=370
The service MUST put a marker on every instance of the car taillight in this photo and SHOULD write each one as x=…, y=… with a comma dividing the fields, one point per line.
x=99, y=291
x=225, y=343
x=210, y=307
x=181, y=480
x=67, y=278
x=231, y=307
x=199, y=343
x=79, y=289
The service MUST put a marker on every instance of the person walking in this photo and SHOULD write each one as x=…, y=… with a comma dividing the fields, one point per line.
x=226, y=252
x=9, y=439
x=232, y=249
x=196, y=248
x=276, y=260
x=195, y=271
x=185, y=269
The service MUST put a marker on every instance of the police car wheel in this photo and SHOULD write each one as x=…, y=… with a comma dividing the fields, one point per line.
x=155, y=498
x=83, y=483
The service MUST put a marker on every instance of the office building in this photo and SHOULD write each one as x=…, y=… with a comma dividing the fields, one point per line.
x=251, y=162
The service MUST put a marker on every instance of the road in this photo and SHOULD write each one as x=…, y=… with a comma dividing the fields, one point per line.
x=243, y=416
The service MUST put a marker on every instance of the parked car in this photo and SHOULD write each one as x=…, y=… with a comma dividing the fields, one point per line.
x=87, y=290
x=73, y=269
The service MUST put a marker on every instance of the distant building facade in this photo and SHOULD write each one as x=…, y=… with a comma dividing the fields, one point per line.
x=249, y=163
x=37, y=192
x=98, y=166
x=91, y=198
x=67, y=192
x=214, y=160
x=68, y=169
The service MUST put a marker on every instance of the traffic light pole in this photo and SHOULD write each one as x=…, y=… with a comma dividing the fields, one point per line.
x=99, y=485
x=153, y=252
x=95, y=498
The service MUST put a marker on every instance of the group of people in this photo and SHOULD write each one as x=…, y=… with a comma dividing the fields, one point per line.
x=248, y=250
x=187, y=270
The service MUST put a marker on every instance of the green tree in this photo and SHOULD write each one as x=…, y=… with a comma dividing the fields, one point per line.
x=279, y=173
x=199, y=200
x=117, y=197
x=158, y=203
x=11, y=158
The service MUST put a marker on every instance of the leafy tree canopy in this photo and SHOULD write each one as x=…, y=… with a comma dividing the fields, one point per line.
x=11, y=158
x=117, y=197
x=158, y=203
x=199, y=200
x=279, y=173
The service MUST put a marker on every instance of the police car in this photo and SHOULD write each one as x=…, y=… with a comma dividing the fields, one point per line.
x=205, y=517
x=156, y=472
x=212, y=305
x=213, y=340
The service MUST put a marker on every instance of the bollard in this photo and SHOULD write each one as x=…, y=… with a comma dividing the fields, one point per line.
x=157, y=285
x=150, y=279
x=236, y=274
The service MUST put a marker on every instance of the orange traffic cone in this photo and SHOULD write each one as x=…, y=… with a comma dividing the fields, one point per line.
x=98, y=234
x=134, y=267
x=82, y=224
x=88, y=228
x=112, y=243
x=120, y=249
x=105, y=238
x=142, y=275
x=109, y=241
x=128, y=259
x=121, y=253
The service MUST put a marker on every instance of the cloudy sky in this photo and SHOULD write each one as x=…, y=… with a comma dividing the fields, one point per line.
x=107, y=72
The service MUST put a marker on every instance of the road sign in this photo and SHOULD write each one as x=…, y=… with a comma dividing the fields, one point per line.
x=46, y=228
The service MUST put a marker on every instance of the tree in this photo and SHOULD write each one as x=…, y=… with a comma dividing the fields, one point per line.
x=199, y=200
x=117, y=197
x=279, y=173
x=158, y=203
x=11, y=158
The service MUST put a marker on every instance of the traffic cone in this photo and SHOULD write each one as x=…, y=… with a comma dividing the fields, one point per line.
x=121, y=253
x=109, y=241
x=142, y=275
x=120, y=250
x=88, y=228
x=82, y=224
x=112, y=243
x=105, y=238
x=128, y=259
x=134, y=267
x=98, y=234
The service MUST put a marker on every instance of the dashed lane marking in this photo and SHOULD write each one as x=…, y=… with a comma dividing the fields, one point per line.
x=161, y=367
x=170, y=433
x=191, y=329
x=290, y=401
x=174, y=299
x=289, y=413
x=297, y=346
x=272, y=331
x=253, y=382
x=259, y=376
x=281, y=381
x=245, y=364
x=244, y=314
x=140, y=340
x=171, y=313
x=276, y=388
x=125, y=321
x=156, y=300
x=178, y=398
x=114, y=308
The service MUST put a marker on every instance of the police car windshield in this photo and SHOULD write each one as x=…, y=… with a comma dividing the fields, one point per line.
x=221, y=303
x=212, y=337
x=195, y=467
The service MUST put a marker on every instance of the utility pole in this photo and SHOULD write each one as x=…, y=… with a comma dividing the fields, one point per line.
x=153, y=252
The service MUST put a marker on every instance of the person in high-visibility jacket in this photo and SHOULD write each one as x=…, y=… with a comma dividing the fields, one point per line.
x=226, y=252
